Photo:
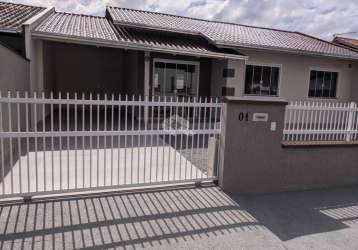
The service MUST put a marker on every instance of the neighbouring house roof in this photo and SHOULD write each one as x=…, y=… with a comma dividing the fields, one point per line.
x=348, y=42
x=12, y=16
x=99, y=30
x=230, y=34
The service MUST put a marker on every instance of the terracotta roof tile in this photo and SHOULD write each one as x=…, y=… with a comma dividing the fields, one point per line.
x=350, y=42
x=12, y=16
x=230, y=34
x=81, y=26
x=99, y=29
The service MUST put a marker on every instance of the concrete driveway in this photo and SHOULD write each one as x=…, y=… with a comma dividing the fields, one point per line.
x=185, y=218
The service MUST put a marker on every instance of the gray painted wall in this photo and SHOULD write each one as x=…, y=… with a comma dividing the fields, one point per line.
x=254, y=160
x=295, y=70
x=14, y=76
x=14, y=71
x=79, y=68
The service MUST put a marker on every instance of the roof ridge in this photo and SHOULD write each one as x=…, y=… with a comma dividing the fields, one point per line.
x=78, y=14
x=22, y=4
x=200, y=19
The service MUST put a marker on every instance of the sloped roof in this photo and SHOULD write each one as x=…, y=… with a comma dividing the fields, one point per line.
x=345, y=41
x=99, y=30
x=12, y=16
x=230, y=34
x=80, y=26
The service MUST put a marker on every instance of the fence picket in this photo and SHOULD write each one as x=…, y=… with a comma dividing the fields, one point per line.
x=321, y=121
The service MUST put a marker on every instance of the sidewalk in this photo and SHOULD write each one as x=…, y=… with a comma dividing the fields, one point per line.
x=185, y=218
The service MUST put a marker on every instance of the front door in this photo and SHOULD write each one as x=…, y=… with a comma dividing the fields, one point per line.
x=172, y=78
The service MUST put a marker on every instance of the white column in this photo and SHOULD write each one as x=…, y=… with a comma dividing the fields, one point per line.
x=146, y=81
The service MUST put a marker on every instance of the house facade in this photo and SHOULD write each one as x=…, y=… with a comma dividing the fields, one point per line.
x=154, y=54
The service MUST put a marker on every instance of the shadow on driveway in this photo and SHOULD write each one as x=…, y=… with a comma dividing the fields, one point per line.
x=185, y=218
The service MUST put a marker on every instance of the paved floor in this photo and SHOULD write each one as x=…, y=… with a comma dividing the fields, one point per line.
x=72, y=169
x=186, y=218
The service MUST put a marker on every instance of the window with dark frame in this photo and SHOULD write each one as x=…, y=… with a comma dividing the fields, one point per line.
x=323, y=84
x=262, y=80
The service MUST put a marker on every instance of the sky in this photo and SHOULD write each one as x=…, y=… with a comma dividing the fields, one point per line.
x=320, y=18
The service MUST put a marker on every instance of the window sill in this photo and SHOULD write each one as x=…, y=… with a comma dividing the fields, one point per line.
x=310, y=144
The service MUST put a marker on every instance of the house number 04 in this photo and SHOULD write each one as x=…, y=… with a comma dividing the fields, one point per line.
x=243, y=116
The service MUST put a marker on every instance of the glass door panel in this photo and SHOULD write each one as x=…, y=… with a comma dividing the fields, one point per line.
x=175, y=79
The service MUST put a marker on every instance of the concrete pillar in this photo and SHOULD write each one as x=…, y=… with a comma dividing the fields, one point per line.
x=249, y=143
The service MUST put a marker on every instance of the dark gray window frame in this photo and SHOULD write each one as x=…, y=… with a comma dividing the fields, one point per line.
x=263, y=66
x=325, y=75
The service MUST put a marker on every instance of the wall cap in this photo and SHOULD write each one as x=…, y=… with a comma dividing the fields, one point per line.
x=310, y=144
x=258, y=100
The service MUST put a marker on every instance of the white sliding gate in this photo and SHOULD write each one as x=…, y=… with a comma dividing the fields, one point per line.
x=68, y=144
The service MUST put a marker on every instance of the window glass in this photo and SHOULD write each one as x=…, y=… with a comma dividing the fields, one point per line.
x=261, y=80
x=323, y=84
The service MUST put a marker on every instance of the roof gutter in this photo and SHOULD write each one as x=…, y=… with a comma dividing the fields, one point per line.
x=126, y=45
x=223, y=44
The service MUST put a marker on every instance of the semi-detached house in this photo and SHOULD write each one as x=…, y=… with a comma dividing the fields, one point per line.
x=148, y=53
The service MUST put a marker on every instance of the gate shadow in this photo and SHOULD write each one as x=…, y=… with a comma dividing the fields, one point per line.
x=144, y=219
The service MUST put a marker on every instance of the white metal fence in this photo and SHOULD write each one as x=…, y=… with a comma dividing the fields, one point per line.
x=53, y=144
x=321, y=121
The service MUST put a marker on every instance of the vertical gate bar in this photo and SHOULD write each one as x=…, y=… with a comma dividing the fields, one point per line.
x=119, y=138
x=112, y=119
x=221, y=115
x=307, y=117
x=60, y=137
x=76, y=146
x=299, y=121
x=44, y=138
x=157, y=141
x=27, y=142
x=192, y=139
x=181, y=137
x=163, y=142
x=2, y=149
x=209, y=135
x=125, y=139
x=105, y=141
x=197, y=147
x=52, y=159
x=151, y=142
x=169, y=134
x=68, y=140
x=91, y=138
x=217, y=137
x=289, y=136
x=19, y=140
x=204, y=138
x=139, y=141
x=10, y=142
x=83, y=141
x=11, y=149
x=186, y=141
x=176, y=135
x=35, y=128
x=311, y=121
x=331, y=126
x=98, y=113
x=132, y=137
x=145, y=110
